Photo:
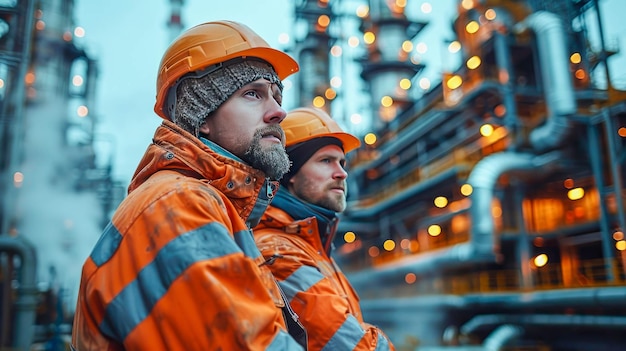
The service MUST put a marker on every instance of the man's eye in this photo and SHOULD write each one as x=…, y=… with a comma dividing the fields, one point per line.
x=251, y=93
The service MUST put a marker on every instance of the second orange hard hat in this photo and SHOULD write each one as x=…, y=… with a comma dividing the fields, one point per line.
x=306, y=123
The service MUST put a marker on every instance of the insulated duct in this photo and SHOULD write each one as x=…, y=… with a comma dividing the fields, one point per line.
x=483, y=246
x=557, y=81
x=483, y=181
x=509, y=327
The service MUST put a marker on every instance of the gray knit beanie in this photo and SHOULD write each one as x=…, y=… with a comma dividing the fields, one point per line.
x=196, y=98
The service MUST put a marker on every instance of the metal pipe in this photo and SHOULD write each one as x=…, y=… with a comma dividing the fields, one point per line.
x=483, y=246
x=17, y=97
x=506, y=331
x=523, y=247
x=557, y=81
x=599, y=297
x=595, y=154
x=614, y=162
x=483, y=181
x=544, y=320
x=505, y=68
x=502, y=336
x=499, y=338
x=26, y=304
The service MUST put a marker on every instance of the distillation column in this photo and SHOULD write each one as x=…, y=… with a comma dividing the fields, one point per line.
x=388, y=68
x=175, y=23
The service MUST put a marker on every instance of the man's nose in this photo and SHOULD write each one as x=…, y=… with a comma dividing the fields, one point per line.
x=275, y=113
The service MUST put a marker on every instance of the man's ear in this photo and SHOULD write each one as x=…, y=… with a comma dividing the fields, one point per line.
x=290, y=182
x=204, y=128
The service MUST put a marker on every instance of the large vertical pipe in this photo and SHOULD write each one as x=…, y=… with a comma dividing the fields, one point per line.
x=505, y=68
x=523, y=242
x=557, y=81
x=26, y=304
x=614, y=164
x=596, y=166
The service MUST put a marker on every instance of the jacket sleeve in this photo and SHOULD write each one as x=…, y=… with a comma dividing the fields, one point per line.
x=325, y=302
x=178, y=280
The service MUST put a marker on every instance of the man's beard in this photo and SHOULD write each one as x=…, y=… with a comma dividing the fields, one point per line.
x=308, y=192
x=273, y=160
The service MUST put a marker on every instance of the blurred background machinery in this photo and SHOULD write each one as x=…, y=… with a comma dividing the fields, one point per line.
x=488, y=214
x=56, y=192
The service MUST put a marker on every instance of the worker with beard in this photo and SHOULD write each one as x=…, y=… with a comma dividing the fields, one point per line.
x=296, y=233
x=177, y=267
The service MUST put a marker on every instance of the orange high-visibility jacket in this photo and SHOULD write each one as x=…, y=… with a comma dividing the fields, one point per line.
x=177, y=267
x=319, y=293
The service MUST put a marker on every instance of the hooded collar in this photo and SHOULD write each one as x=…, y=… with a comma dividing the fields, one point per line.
x=175, y=149
x=299, y=210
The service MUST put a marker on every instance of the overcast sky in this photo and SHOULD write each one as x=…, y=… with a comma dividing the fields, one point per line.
x=128, y=38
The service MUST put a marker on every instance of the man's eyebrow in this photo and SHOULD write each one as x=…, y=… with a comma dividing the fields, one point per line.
x=264, y=84
x=332, y=156
x=257, y=85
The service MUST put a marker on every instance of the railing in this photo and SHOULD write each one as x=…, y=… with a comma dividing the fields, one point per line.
x=590, y=273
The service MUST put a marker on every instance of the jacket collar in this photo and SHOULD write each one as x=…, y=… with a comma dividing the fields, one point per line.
x=175, y=149
x=300, y=210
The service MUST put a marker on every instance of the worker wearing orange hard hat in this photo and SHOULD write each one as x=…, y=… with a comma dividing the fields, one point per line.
x=177, y=267
x=295, y=235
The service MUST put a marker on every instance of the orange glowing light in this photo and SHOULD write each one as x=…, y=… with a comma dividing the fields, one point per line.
x=540, y=260
x=349, y=237
x=389, y=245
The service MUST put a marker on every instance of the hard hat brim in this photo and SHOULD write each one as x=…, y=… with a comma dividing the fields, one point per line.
x=349, y=141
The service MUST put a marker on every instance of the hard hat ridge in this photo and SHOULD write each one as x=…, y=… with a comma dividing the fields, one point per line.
x=309, y=129
x=305, y=123
x=209, y=44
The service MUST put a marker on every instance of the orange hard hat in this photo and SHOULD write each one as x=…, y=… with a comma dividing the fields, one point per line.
x=306, y=123
x=210, y=44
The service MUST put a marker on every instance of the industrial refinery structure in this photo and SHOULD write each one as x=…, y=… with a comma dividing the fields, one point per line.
x=486, y=212
x=56, y=192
